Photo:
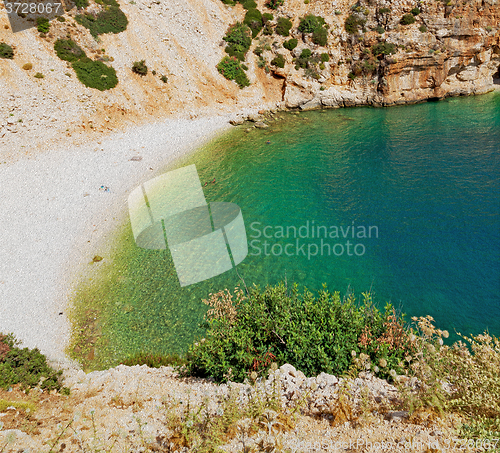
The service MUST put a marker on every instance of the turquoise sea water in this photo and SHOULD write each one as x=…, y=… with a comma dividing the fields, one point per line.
x=422, y=181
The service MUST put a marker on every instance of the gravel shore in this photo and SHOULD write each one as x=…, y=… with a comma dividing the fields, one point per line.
x=53, y=214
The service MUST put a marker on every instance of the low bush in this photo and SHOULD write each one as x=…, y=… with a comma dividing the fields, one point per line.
x=239, y=38
x=61, y=19
x=154, y=360
x=231, y=69
x=164, y=78
x=325, y=57
x=268, y=29
x=283, y=26
x=274, y=4
x=415, y=11
x=266, y=17
x=407, y=19
x=352, y=24
x=310, y=23
x=423, y=28
x=380, y=30
x=279, y=61
x=43, y=24
x=139, y=67
x=27, y=367
x=39, y=75
x=249, y=4
x=253, y=19
x=383, y=48
x=320, y=36
x=384, y=10
x=68, y=50
x=246, y=332
x=81, y=4
x=306, y=53
x=27, y=66
x=6, y=51
x=110, y=20
x=290, y=44
x=95, y=74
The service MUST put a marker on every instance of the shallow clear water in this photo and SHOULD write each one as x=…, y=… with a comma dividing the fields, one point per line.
x=425, y=178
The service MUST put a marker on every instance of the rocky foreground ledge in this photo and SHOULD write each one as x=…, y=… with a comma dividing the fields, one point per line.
x=138, y=409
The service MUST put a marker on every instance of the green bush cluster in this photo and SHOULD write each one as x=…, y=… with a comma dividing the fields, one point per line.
x=315, y=334
x=110, y=20
x=279, y=61
x=415, y=11
x=274, y=4
x=325, y=57
x=43, y=24
x=283, y=26
x=384, y=10
x=231, y=69
x=380, y=30
x=290, y=44
x=249, y=4
x=6, y=51
x=239, y=39
x=254, y=20
x=81, y=4
x=139, y=67
x=27, y=367
x=68, y=50
x=407, y=19
x=93, y=74
x=352, y=24
x=383, y=48
x=315, y=25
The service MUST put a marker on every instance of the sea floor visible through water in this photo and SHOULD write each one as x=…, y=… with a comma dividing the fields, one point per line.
x=403, y=202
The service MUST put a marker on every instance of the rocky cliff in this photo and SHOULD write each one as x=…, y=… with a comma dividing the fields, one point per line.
x=450, y=49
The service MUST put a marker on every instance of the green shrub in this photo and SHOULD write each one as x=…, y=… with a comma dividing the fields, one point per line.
x=139, y=67
x=320, y=36
x=338, y=13
x=325, y=57
x=415, y=11
x=26, y=367
x=306, y=53
x=61, y=19
x=384, y=10
x=352, y=23
x=164, y=78
x=407, y=19
x=422, y=28
x=231, y=69
x=68, y=50
x=39, y=75
x=383, y=48
x=380, y=29
x=314, y=334
x=110, y=20
x=95, y=74
x=6, y=51
x=253, y=18
x=283, y=26
x=279, y=61
x=290, y=44
x=81, y=4
x=249, y=4
x=268, y=29
x=310, y=23
x=266, y=17
x=43, y=24
x=273, y=4
x=239, y=39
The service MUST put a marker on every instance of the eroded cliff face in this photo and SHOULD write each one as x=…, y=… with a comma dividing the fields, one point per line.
x=451, y=49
